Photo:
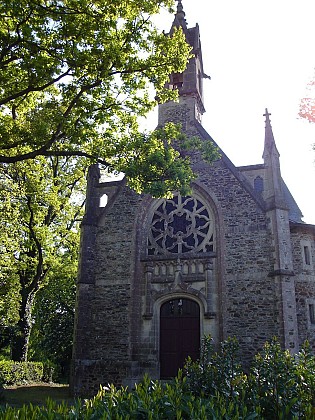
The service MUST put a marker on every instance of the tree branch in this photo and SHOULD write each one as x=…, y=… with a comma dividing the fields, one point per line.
x=41, y=272
x=39, y=152
x=33, y=88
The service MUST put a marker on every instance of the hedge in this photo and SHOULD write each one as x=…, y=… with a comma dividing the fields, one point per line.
x=18, y=372
x=279, y=386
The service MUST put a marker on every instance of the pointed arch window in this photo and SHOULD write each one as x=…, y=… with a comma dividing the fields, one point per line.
x=307, y=255
x=259, y=184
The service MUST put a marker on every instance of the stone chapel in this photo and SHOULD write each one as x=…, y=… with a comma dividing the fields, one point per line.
x=156, y=275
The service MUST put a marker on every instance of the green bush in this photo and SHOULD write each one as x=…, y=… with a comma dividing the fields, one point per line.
x=50, y=371
x=282, y=385
x=217, y=372
x=2, y=396
x=18, y=372
x=279, y=386
x=150, y=400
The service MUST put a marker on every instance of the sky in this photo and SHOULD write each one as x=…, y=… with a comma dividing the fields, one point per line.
x=259, y=54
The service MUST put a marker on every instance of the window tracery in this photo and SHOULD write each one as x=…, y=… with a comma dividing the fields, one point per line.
x=181, y=225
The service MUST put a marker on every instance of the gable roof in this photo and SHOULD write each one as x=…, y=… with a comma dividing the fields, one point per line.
x=229, y=164
x=295, y=214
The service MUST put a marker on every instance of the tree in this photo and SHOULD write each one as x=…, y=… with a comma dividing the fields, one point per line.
x=75, y=76
x=53, y=315
x=41, y=206
x=307, y=104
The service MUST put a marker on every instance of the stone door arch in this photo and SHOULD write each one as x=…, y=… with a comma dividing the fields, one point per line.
x=179, y=334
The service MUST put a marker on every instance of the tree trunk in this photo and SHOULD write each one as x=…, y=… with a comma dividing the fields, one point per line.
x=24, y=327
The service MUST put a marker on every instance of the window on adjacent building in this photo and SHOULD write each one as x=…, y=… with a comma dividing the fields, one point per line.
x=307, y=255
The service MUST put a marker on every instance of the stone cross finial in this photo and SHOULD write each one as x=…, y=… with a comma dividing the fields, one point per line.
x=269, y=138
x=179, y=6
x=267, y=115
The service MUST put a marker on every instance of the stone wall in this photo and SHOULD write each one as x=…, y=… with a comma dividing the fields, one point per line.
x=248, y=306
x=305, y=284
x=102, y=344
x=118, y=336
x=102, y=339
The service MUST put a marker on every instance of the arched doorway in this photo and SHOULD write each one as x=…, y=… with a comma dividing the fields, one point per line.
x=179, y=335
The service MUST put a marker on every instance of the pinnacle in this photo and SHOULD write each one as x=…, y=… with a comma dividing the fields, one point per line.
x=179, y=6
x=269, y=137
x=180, y=16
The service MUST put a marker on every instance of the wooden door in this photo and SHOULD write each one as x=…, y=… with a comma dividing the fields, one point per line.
x=179, y=335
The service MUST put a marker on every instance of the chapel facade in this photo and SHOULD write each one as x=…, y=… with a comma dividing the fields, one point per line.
x=232, y=259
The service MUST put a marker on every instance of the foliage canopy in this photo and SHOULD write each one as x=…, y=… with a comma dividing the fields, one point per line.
x=74, y=78
x=307, y=104
x=40, y=207
x=76, y=75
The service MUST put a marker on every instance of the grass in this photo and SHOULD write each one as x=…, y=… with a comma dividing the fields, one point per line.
x=37, y=394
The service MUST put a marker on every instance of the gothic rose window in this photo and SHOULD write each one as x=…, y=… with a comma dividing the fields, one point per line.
x=180, y=225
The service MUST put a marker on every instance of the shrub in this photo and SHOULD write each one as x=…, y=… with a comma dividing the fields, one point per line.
x=18, y=372
x=2, y=396
x=282, y=385
x=279, y=386
x=50, y=371
x=217, y=372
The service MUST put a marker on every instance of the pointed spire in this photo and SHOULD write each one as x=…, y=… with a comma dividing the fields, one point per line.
x=270, y=143
x=179, y=19
x=273, y=195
